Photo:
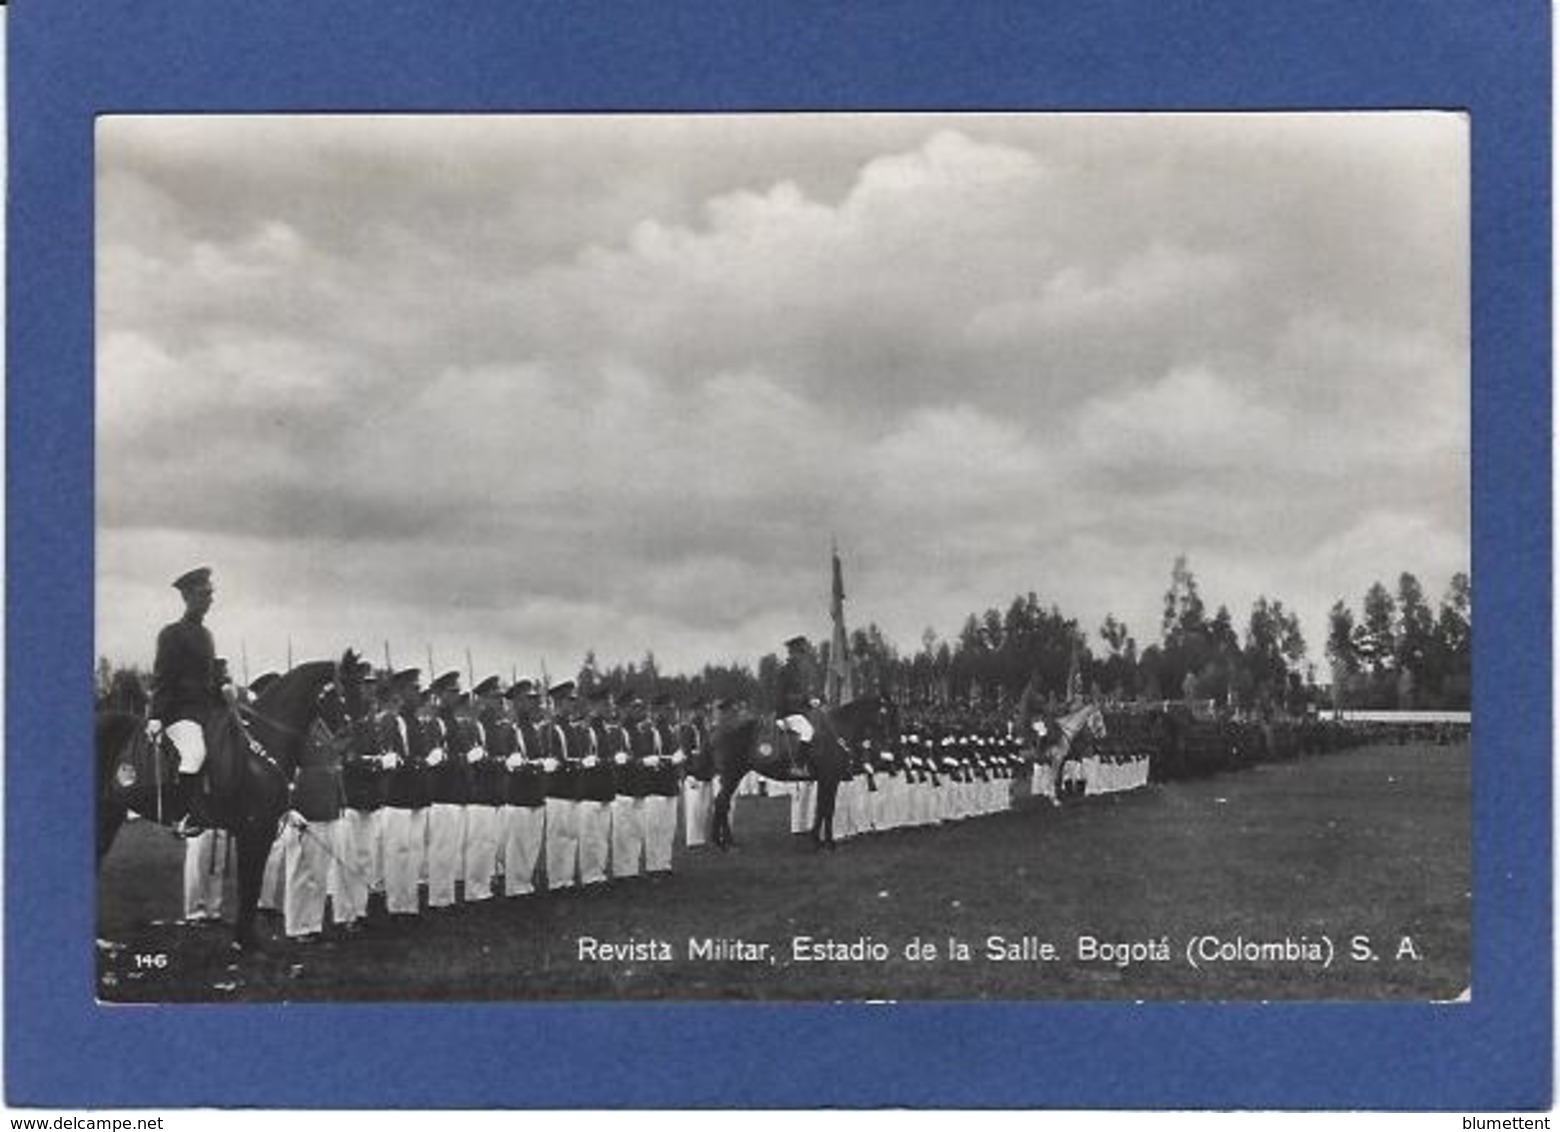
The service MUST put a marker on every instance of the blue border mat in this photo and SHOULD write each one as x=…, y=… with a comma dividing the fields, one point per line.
x=73, y=59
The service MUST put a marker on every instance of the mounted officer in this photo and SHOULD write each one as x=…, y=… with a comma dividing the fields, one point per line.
x=797, y=696
x=186, y=691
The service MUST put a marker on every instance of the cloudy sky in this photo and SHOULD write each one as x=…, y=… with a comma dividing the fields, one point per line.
x=532, y=385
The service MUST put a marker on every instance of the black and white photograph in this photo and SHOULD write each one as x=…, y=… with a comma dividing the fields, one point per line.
x=833, y=557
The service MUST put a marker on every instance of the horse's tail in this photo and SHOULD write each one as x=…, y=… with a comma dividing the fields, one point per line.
x=112, y=730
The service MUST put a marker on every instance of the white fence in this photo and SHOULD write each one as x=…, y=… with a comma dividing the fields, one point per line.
x=1463, y=717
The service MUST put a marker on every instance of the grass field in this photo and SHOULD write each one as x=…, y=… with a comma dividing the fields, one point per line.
x=1371, y=843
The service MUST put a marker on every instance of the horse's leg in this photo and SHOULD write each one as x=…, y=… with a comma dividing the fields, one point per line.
x=109, y=818
x=254, y=845
x=828, y=792
x=720, y=814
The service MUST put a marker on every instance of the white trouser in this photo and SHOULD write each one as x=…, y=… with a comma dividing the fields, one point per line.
x=446, y=835
x=524, y=829
x=880, y=816
x=353, y=875
x=346, y=881
x=804, y=806
x=880, y=812
x=405, y=835
x=190, y=741
x=376, y=844
x=481, y=854
x=698, y=800
x=845, y=809
x=205, y=859
x=563, y=842
x=628, y=834
x=660, y=832
x=595, y=839
x=273, y=881
x=306, y=863
x=800, y=724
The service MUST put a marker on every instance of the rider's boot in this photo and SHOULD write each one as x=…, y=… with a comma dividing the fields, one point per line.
x=191, y=798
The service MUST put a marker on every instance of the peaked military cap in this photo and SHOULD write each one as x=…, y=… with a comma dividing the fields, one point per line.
x=407, y=676
x=487, y=687
x=449, y=682
x=797, y=642
x=200, y=576
x=562, y=688
x=521, y=688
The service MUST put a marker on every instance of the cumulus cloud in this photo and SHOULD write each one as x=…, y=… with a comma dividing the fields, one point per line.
x=533, y=385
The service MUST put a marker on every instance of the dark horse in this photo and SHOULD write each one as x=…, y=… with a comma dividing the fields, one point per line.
x=251, y=794
x=753, y=744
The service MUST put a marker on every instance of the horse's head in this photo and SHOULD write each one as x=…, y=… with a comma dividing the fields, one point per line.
x=282, y=714
x=350, y=676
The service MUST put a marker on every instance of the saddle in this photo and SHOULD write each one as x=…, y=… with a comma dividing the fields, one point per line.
x=227, y=743
x=780, y=753
x=145, y=776
x=146, y=773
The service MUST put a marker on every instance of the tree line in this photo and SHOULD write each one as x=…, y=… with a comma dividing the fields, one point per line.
x=1401, y=655
x=1398, y=653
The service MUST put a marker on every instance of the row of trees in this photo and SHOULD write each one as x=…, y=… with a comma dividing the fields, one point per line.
x=1197, y=655
x=1397, y=653
x=1400, y=654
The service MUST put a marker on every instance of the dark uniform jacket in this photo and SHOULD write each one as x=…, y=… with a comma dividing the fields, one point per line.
x=363, y=776
x=184, y=676
x=663, y=778
x=448, y=782
x=695, y=744
x=598, y=782
x=490, y=778
x=527, y=785
x=797, y=682
x=641, y=745
x=562, y=742
x=317, y=792
x=408, y=788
